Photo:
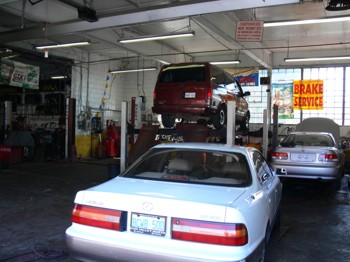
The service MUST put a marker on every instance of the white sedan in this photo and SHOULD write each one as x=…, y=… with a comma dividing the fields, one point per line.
x=180, y=202
x=310, y=155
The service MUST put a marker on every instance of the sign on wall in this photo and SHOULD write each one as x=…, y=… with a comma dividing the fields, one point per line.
x=14, y=73
x=308, y=94
x=282, y=96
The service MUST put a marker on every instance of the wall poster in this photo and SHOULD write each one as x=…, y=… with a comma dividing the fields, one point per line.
x=282, y=96
x=245, y=76
x=14, y=73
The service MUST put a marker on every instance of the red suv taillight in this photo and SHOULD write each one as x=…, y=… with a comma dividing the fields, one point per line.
x=280, y=155
x=99, y=217
x=209, y=93
x=154, y=95
x=209, y=232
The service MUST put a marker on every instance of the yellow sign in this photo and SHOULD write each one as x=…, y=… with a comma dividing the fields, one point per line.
x=308, y=94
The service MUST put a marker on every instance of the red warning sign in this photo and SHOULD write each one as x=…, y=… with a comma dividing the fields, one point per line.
x=249, y=31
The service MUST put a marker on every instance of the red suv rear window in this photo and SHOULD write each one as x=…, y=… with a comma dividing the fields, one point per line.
x=183, y=74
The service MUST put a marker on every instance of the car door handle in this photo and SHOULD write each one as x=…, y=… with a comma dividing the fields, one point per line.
x=265, y=176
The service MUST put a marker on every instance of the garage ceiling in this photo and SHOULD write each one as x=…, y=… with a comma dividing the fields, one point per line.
x=39, y=22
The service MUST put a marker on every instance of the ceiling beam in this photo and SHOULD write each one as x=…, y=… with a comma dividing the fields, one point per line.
x=2, y=2
x=110, y=41
x=144, y=15
x=228, y=40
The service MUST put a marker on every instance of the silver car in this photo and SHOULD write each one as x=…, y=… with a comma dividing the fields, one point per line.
x=310, y=155
x=180, y=202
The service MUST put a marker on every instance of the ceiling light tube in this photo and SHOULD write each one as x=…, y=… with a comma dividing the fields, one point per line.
x=226, y=62
x=163, y=62
x=308, y=21
x=132, y=70
x=58, y=77
x=305, y=59
x=156, y=37
x=62, y=45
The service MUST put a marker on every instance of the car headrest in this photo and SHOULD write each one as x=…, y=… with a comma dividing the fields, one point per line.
x=234, y=170
x=180, y=164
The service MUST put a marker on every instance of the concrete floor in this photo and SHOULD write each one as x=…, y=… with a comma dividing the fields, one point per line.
x=36, y=201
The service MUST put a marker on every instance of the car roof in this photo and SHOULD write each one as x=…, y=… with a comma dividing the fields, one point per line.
x=187, y=63
x=309, y=133
x=205, y=146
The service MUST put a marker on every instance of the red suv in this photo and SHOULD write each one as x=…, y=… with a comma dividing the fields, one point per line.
x=198, y=92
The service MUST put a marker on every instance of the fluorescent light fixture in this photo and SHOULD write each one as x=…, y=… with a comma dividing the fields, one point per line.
x=121, y=71
x=156, y=37
x=62, y=45
x=163, y=62
x=226, y=62
x=308, y=21
x=58, y=77
x=326, y=58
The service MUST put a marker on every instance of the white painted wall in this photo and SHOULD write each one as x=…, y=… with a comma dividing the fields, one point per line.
x=140, y=84
x=98, y=93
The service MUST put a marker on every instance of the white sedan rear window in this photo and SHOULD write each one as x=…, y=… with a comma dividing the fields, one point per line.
x=307, y=140
x=194, y=166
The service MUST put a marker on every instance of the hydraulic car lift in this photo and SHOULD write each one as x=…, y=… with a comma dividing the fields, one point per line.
x=146, y=136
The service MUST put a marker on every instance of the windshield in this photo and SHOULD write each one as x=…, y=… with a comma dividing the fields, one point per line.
x=293, y=140
x=192, y=166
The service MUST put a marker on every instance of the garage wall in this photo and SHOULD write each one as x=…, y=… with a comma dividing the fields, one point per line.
x=98, y=94
x=140, y=84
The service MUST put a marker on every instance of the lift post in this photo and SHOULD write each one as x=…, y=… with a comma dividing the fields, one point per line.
x=123, y=136
x=231, y=123
x=265, y=134
x=275, y=127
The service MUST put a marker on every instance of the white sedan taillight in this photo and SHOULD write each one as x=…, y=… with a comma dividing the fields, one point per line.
x=99, y=217
x=328, y=157
x=280, y=155
x=209, y=232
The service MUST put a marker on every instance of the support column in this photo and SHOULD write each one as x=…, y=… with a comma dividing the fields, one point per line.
x=231, y=123
x=123, y=136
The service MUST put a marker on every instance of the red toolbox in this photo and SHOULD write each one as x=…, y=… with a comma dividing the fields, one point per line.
x=10, y=155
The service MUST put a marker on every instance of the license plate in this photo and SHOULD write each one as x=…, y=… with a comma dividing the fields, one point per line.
x=148, y=224
x=190, y=95
x=303, y=157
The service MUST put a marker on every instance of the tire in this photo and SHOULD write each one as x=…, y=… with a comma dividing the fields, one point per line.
x=277, y=224
x=267, y=238
x=336, y=184
x=168, y=120
x=244, y=125
x=220, y=118
x=262, y=258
